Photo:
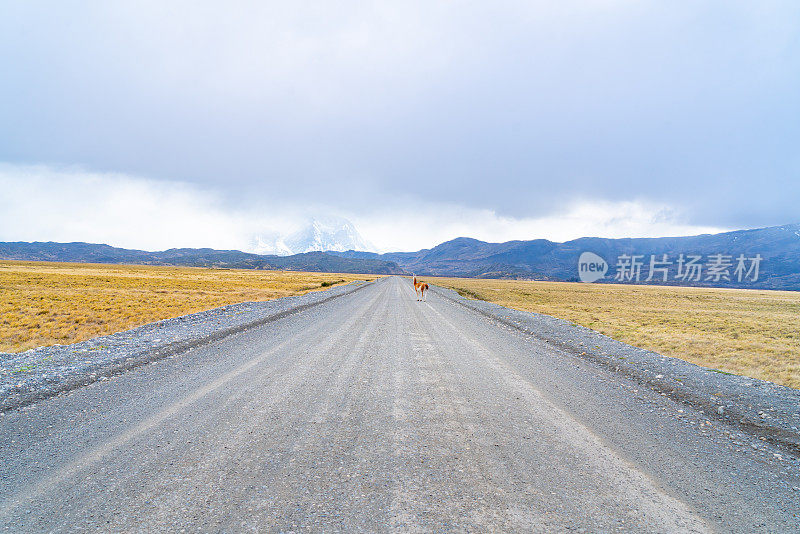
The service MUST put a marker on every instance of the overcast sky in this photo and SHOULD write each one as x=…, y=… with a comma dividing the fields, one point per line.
x=157, y=124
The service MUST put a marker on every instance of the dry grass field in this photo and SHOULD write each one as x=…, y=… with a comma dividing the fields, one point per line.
x=747, y=332
x=48, y=303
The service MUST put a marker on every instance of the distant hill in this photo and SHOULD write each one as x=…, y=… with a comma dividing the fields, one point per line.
x=541, y=259
x=194, y=257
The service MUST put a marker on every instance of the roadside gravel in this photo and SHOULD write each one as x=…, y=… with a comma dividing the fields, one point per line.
x=374, y=412
x=768, y=410
x=46, y=371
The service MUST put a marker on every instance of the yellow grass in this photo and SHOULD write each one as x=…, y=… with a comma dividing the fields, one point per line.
x=48, y=303
x=746, y=332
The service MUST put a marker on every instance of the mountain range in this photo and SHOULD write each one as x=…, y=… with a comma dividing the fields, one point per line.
x=193, y=257
x=778, y=248
x=765, y=258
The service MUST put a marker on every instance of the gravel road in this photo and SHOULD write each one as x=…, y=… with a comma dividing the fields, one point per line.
x=373, y=412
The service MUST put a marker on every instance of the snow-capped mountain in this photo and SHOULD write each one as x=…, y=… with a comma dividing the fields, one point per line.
x=320, y=234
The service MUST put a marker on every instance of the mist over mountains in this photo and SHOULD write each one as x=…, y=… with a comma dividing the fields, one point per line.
x=320, y=234
x=777, y=250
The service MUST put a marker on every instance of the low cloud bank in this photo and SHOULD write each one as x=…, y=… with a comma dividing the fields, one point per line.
x=39, y=203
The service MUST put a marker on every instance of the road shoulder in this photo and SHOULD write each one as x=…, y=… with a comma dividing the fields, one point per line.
x=41, y=373
x=767, y=410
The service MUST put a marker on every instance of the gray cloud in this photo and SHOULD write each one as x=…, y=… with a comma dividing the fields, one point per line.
x=518, y=108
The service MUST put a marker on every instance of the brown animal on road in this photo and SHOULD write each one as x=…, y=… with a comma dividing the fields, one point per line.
x=420, y=288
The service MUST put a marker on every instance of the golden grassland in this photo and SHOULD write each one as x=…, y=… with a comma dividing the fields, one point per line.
x=747, y=332
x=44, y=303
